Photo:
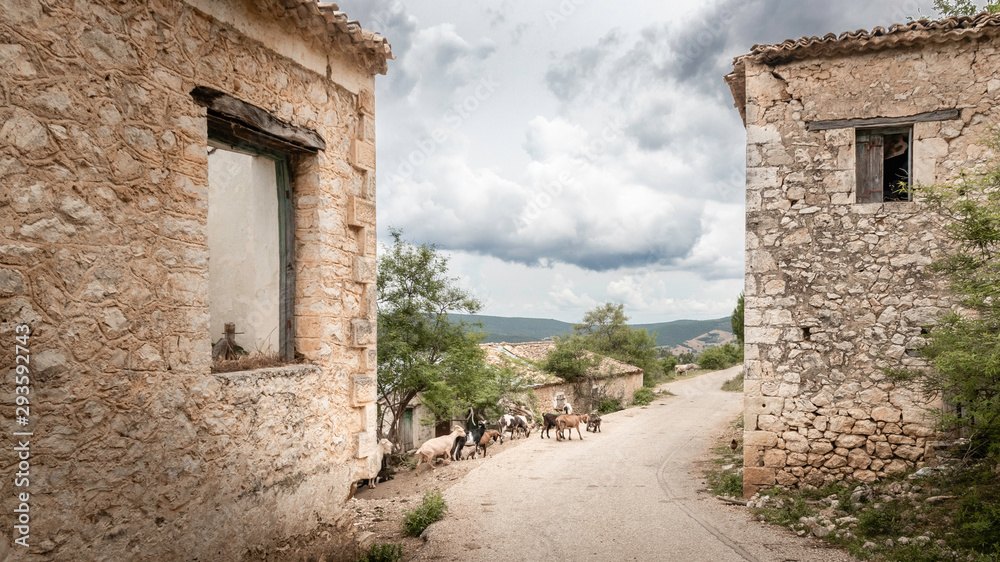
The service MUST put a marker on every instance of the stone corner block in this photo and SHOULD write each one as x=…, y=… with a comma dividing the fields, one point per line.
x=362, y=333
x=363, y=390
x=366, y=102
x=763, y=405
x=363, y=270
x=363, y=155
x=365, y=443
x=360, y=212
x=366, y=127
x=764, y=439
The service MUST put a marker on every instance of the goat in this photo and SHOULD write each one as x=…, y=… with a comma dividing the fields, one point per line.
x=681, y=369
x=520, y=425
x=471, y=439
x=468, y=451
x=548, y=422
x=568, y=422
x=491, y=435
x=438, y=447
x=594, y=423
x=567, y=408
x=383, y=473
x=506, y=423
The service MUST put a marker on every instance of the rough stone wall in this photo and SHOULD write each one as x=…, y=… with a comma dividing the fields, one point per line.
x=835, y=290
x=623, y=387
x=138, y=452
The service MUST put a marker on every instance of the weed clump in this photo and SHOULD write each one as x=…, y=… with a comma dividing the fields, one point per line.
x=430, y=510
x=383, y=552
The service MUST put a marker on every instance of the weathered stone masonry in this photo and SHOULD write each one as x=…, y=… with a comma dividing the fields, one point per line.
x=139, y=452
x=837, y=289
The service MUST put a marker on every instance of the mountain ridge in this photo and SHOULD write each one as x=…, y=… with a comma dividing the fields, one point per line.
x=515, y=329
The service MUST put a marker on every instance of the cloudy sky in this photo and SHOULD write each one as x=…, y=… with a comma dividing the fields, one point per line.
x=567, y=153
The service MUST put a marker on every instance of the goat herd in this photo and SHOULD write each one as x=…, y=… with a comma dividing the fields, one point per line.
x=462, y=444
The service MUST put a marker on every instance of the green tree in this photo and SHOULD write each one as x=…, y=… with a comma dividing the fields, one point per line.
x=419, y=349
x=605, y=330
x=736, y=320
x=569, y=359
x=964, y=7
x=964, y=349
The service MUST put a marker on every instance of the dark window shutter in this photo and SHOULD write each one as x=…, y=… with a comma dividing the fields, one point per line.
x=870, y=169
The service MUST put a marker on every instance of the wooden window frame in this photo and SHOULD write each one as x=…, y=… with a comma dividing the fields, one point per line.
x=236, y=125
x=870, y=162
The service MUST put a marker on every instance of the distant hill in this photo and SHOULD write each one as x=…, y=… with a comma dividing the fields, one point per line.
x=516, y=330
x=672, y=334
x=692, y=334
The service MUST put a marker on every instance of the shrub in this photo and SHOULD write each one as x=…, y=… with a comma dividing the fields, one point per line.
x=382, y=552
x=609, y=405
x=715, y=358
x=643, y=396
x=430, y=510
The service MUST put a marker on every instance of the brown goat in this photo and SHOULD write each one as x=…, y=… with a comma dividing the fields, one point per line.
x=568, y=422
x=491, y=435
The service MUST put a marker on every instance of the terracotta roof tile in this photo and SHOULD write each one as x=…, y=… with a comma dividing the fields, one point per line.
x=334, y=25
x=921, y=31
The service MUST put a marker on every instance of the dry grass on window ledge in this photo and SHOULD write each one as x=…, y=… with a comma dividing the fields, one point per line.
x=252, y=361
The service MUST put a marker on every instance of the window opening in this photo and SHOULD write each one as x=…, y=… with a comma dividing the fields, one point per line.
x=884, y=164
x=250, y=182
x=560, y=401
x=245, y=199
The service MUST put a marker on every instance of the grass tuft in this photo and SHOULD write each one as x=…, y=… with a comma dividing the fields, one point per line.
x=383, y=552
x=430, y=510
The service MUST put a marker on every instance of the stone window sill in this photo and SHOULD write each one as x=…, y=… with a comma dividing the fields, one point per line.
x=285, y=371
x=895, y=207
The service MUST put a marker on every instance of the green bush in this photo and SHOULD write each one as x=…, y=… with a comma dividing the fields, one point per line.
x=643, y=396
x=432, y=509
x=609, y=405
x=716, y=358
x=382, y=552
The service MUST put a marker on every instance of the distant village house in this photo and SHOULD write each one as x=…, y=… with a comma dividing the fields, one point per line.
x=837, y=281
x=611, y=379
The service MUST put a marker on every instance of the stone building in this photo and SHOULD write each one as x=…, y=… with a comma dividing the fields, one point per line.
x=837, y=280
x=610, y=378
x=126, y=245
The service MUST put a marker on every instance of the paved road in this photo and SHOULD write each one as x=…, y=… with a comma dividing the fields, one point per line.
x=628, y=493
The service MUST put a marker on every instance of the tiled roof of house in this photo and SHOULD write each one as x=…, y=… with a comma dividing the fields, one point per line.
x=327, y=18
x=522, y=356
x=956, y=28
x=919, y=32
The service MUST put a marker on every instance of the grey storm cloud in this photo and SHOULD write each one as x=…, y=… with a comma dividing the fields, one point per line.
x=639, y=199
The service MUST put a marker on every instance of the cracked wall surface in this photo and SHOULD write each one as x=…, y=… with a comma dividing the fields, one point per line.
x=138, y=451
x=835, y=290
